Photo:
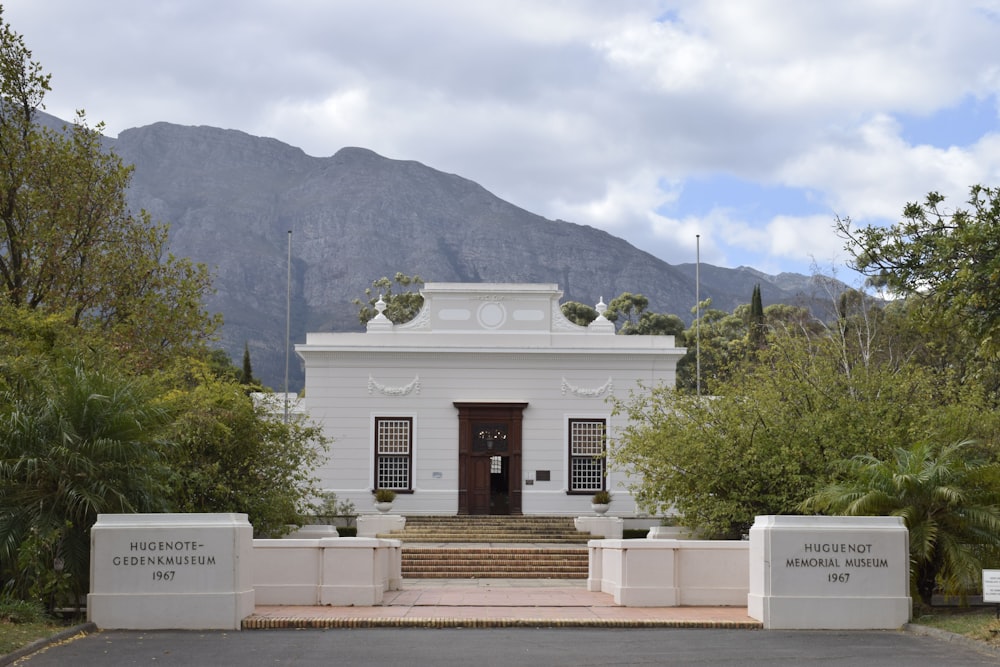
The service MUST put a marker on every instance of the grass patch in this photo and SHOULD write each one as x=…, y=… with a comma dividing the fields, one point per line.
x=15, y=635
x=22, y=622
x=978, y=623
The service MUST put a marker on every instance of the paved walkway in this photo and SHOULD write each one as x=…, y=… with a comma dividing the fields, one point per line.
x=479, y=603
x=526, y=608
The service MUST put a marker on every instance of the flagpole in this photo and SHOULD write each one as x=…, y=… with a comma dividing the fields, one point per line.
x=288, y=318
x=697, y=310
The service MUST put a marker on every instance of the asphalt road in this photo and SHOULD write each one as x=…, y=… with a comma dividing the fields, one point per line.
x=559, y=647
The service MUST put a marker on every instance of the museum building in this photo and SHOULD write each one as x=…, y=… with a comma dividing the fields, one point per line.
x=489, y=401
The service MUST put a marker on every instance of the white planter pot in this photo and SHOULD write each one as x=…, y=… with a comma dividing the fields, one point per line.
x=383, y=507
x=599, y=508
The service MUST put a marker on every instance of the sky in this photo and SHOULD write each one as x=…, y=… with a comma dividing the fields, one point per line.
x=735, y=132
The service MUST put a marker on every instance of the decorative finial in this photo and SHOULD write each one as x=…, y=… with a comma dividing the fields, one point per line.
x=601, y=323
x=380, y=322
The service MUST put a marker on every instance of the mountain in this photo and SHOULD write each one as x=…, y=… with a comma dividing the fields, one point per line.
x=231, y=198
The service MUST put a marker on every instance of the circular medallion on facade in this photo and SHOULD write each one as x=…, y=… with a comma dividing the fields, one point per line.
x=491, y=315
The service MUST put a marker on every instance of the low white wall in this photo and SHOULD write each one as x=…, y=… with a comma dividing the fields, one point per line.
x=341, y=571
x=671, y=573
x=313, y=532
x=669, y=533
x=607, y=527
x=370, y=525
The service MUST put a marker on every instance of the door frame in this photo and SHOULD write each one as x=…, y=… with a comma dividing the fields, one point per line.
x=512, y=415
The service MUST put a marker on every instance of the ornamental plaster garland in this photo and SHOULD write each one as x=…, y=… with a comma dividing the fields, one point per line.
x=559, y=321
x=587, y=393
x=420, y=321
x=374, y=386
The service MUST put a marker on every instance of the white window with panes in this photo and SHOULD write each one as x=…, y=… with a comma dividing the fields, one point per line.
x=587, y=454
x=393, y=453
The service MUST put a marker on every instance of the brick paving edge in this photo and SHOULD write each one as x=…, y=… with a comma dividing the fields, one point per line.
x=260, y=623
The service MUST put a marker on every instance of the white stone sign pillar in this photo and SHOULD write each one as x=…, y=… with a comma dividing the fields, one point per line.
x=991, y=587
x=819, y=572
x=171, y=571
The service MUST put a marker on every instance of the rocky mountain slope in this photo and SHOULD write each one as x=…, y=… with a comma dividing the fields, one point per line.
x=231, y=199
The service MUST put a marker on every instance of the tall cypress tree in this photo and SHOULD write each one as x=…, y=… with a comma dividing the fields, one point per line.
x=247, y=376
x=755, y=326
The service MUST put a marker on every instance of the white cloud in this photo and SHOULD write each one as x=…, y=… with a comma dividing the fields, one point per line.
x=621, y=203
x=870, y=172
x=581, y=110
x=662, y=53
x=726, y=240
x=805, y=239
x=328, y=122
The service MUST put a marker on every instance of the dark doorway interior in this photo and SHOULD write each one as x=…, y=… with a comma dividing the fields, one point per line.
x=499, y=485
x=489, y=458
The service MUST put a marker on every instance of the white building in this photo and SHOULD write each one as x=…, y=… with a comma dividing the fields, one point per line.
x=488, y=402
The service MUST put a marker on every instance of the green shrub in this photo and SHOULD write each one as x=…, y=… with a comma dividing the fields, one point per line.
x=330, y=508
x=635, y=533
x=384, y=495
x=18, y=612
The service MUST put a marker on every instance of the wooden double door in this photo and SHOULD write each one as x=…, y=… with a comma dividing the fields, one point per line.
x=489, y=457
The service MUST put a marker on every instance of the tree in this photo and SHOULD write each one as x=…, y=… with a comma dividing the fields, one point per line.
x=401, y=307
x=657, y=324
x=949, y=262
x=767, y=438
x=626, y=307
x=630, y=312
x=578, y=313
x=81, y=434
x=231, y=455
x=796, y=320
x=246, y=376
x=68, y=242
x=719, y=338
x=725, y=340
x=946, y=495
x=756, y=330
x=74, y=442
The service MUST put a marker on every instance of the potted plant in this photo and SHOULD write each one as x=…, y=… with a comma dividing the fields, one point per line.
x=383, y=499
x=600, y=501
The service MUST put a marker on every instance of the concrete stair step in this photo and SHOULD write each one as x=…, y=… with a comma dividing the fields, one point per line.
x=487, y=561
x=489, y=518
x=493, y=574
x=423, y=520
x=489, y=569
x=490, y=529
x=483, y=563
x=496, y=538
x=498, y=552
